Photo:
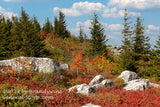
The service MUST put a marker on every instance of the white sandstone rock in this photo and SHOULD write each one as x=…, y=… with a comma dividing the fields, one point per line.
x=100, y=81
x=154, y=85
x=96, y=80
x=32, y=63
x=65, y=67
x=83, y=89
x=140, y=84
x=90, y=105
x=128, y=76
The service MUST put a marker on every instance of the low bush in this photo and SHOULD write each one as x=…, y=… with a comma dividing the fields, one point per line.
x=17, y=96
x=119, y=82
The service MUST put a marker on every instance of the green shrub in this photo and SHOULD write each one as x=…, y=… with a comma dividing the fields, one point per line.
x=119, y=82
x=17, y=96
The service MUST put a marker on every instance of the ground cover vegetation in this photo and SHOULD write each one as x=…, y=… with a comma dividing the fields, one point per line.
x=87, y=57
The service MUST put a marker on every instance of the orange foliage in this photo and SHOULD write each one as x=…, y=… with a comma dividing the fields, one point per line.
x=77, y=61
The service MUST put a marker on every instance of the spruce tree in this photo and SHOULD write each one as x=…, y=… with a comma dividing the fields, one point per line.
x=25, y=37
x=154, y=68
x=81, y=37
x=60, y=26
x=126, y=59
x=48, y=27
x=36, y=25
x=98, y=38
x=56, y=25
x=141, y=48
x=5, y=37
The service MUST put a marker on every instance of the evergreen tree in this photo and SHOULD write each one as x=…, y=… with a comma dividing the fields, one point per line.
x=154, y=68
x=141, y=48
x=85, y=36
x=47, y=27
x=56, y=25
x=157, y=47
x=25, y=37
x=5, y=28
x=81, y=38
x=98, y=38
x=36, y=25
x=126, y=59
x=60, y=26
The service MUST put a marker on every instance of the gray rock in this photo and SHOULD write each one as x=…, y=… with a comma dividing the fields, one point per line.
x=104, y=83
x=32, y=63
x=65, y=67
x=90, y=105
x=96, y=80
x=83, y=89
x=100, y=81
x=154, y=85
x=140, y=84
x=128, y=76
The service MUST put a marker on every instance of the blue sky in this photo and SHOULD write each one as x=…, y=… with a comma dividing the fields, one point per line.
x=80, y=12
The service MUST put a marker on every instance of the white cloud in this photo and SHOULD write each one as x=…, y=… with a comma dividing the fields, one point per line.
x=81, y=8
x=6, y=13
x=113, y=12
x=111, y=37
x=152, y=27
x=26, y=0
x=138, y=4
x=85, y=24
x=115, y=27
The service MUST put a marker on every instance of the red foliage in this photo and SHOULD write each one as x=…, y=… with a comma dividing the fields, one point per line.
x=42, y=34
x=105, y=97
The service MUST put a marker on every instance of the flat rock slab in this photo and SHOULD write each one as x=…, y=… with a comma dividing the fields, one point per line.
x=31, y=63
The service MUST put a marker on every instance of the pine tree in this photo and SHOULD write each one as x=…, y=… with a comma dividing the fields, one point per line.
x=25, y=37
x=48, y=27
x=36, y=25
x=56, y=25
x=157, y=46
x=154, y=68
x=60, y=26
x=141, y=48
x=126, y=60
x=81, y=37
x=5, y=28
x=98, y=38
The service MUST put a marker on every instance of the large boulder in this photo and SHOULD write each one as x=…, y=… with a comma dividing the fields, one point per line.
x=138, y=84
x=128, y=76
x=90, y=105
x=97, y=81
x=100, y=81
x=31, y=63
x=83, y=89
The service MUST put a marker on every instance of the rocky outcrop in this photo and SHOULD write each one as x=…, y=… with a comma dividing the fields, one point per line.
x=128, y=76
x=31, y=63
x=132, y=81
x=83, y=89
x=100, y=81
x=96, y=82
x=138, y=84
x=90, y=105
